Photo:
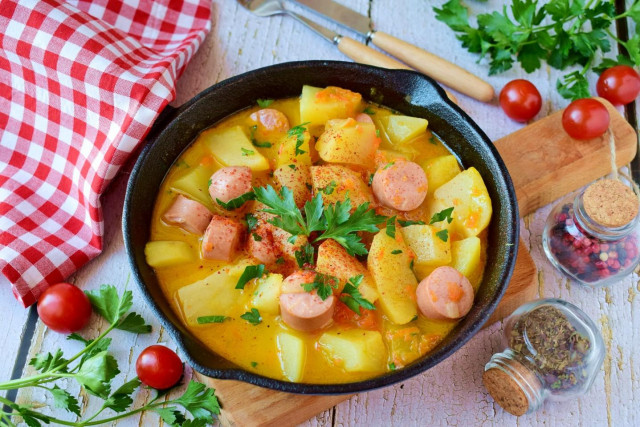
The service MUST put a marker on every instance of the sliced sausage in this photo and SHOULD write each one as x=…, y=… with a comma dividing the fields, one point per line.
x=230, y=182
x=221, y=238
x=400, y=185
x=301, y=310
x=293, y=283
x=306, y=311
x=445, y=294
x=364, y=118
x=188, y=214
x=261, y=245
x=270, y=120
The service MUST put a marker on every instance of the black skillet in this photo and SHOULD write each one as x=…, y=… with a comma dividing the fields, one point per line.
x=408, y=92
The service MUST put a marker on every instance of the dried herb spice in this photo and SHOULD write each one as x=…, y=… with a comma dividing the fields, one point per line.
x=548, y=341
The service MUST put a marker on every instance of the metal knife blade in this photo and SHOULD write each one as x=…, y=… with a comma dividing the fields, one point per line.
x=339, y=14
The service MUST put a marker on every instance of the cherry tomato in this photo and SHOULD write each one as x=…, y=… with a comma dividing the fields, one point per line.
x=619, y=85
x=585, y=119
x=64, y=308
x=520, y=100
x=159, y=367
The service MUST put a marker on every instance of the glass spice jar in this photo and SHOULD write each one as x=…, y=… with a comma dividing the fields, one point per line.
x=554, y=351
x=593, y=237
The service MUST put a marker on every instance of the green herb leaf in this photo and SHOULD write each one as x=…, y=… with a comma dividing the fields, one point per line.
x=443, y=235
x=283, y=205
x=252, y=316
x=200, y=401
x=388, y=165
x=96, y=374
x=442, y=215
x=370, y=179
x=264, y=103
x=203, y=320
x=370, y=111
x=573, y=86
x=254, y=364
x=246, y=152
x=108, y=304
x=121, y=399
x=252, y=221
x=298, y=132
x=352, y=297
x=304, y=256
x=323, y=284
x=250, y=272
x=396, y=252
x=64, y=400
x=391, y=227
x=237, y=202
x=280, y=260
x=171, y=416
x=342, y=226
x=44, y=362
x=256, y=237
x=392, y=366
x=329, y=188
x=406, y=223
x=134, y=323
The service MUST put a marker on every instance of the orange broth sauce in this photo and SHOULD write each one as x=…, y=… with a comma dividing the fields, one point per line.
x=254, y=347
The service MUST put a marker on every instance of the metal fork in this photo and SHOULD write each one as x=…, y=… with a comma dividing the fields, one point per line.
x=355, y=50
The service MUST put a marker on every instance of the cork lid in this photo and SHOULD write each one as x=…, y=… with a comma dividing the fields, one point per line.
x=505, y=391
x=610, y=203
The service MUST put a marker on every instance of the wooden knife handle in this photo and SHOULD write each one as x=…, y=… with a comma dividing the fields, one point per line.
x=435, y=67
x=365, y=55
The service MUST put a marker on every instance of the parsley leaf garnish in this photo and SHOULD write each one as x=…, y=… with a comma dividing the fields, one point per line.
x=391, y=227
x=264, y=103
x=246, y=152
x=250, y=272
x=252, y=221
x=443, y=235
x=252, y=316
x=396, y=251
x=442, y=215
x=237, y=202
x=352, y=297
x=406, y=223
x=298, y=132
x=329, y=188
x=254, y=141
x=324, y=284
x=304, y=255
x=388, y=165
x=203, y=320
x=370, y=111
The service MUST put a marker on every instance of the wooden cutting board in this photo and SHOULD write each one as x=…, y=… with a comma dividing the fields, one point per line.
x=544, y=164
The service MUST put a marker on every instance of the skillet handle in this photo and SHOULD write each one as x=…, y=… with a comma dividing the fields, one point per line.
x=435, y=67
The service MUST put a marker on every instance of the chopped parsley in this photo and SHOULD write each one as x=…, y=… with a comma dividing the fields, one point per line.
x=246, y=152
x=442, y=215
x=203, y=320
x=264, y=103
x=443, y=235
x=352, y=297
x=323, y=283
x=237, y=202
x=256, y=237
x=292, y=166
x=388, y=165
x=252, y=221
x=255, y=142
x=329, y=188
x=305, y=255
x=392, y=366
x=406, y=223
x=252, y=316
x=250, y=272
x=254, y=364
x=396, y=251
x=369, y=111
x=298, y=132
x=280, y=260
x=391, y=227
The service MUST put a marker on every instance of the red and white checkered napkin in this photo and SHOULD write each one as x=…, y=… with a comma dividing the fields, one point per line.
x=81, y=82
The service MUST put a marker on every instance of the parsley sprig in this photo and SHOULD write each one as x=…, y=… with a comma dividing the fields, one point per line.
x=335, y=221
x=323, y=284
x=298, y=132
x=564, y=33
x=94, y=368
x=352, y=297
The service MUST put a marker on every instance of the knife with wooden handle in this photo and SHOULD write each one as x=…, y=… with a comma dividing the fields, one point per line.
x=432, y=65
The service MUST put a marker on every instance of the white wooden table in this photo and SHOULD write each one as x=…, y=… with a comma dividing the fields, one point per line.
x=452, y=392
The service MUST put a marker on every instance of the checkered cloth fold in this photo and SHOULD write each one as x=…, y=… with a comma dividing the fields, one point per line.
x=81, y=82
